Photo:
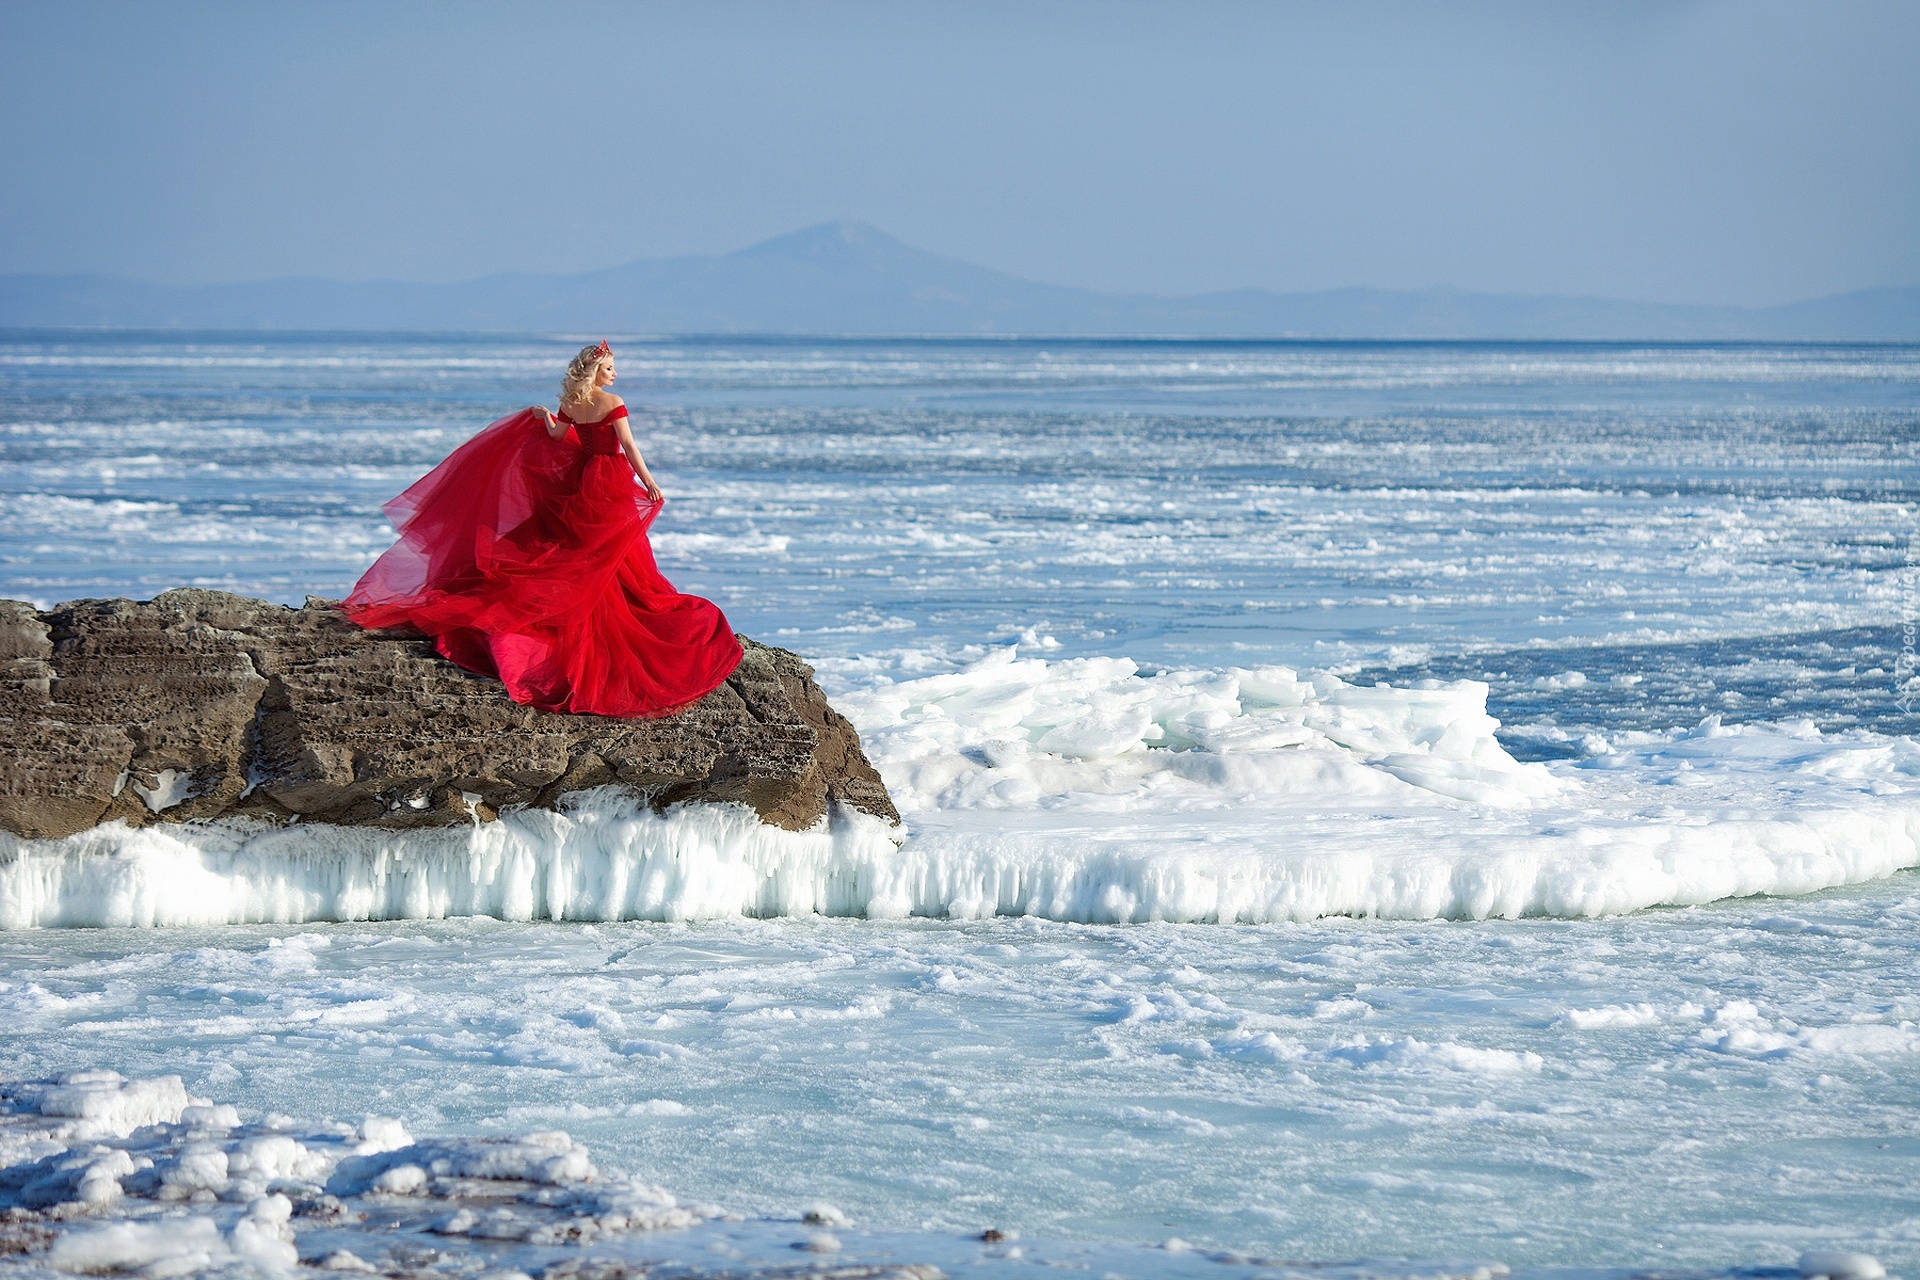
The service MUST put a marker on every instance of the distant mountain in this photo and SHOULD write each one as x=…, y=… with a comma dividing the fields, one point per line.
x=850, y=278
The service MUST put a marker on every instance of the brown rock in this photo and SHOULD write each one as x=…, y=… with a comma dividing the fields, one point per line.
x=199, y=704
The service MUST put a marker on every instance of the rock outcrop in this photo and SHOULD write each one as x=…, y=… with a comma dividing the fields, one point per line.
x=199, y=704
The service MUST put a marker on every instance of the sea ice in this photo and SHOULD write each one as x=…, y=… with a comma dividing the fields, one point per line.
x=1730, y=1081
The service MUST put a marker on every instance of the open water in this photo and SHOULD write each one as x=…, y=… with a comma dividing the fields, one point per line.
x=1364, y=801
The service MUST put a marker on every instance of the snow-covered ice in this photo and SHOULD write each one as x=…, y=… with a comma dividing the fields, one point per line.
x=199, y=1191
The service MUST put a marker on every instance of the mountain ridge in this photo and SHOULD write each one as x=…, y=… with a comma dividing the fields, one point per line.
x=850, y=278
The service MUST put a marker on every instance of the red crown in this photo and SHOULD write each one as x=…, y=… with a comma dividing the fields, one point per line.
x=603, y=349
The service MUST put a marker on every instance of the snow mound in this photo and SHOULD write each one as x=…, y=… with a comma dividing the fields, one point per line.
x=1009, y=732
x=202, y=1191
x=102, y=1104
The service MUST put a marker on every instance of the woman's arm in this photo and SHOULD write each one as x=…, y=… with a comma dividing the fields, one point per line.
x=632, y=450
x=555, y=427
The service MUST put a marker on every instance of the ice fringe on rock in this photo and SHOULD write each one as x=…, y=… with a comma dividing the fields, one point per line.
x=606, y=856
x=1086, y=790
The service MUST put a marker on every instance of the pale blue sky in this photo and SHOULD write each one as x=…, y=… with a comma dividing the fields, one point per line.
x=1694, y=151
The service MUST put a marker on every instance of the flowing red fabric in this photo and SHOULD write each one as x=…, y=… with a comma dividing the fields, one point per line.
x=526, y=558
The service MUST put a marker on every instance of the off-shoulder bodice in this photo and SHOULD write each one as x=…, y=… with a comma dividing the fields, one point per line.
x=597, y=436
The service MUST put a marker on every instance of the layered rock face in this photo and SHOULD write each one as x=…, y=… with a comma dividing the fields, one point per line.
x=199, y=704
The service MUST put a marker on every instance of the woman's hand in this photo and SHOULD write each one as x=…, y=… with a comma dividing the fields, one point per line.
x=547, y=420
x=653, y=490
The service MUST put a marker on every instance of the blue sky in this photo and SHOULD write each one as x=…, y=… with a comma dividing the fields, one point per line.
x=1692, y=151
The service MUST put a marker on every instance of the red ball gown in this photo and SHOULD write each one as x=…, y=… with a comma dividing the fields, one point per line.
x=526, y=558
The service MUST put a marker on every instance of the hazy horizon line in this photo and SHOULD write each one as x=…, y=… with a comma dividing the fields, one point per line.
x=864, y=226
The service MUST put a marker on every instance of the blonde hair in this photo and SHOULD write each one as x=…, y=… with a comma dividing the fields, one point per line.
x=578, y=386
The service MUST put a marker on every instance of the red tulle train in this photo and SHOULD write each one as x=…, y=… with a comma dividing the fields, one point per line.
x=526, y=558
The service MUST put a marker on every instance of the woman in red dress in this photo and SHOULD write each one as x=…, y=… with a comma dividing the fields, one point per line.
x=525, y=556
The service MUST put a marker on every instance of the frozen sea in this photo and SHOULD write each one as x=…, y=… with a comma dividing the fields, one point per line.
x=1452, y=803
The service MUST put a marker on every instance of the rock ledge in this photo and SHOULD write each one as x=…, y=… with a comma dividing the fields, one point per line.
x=199, y=704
